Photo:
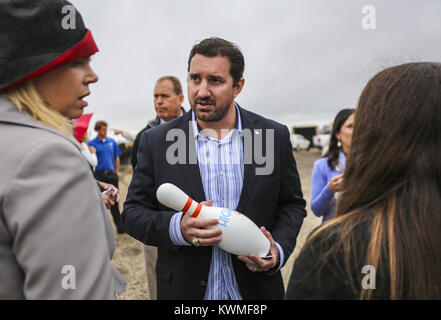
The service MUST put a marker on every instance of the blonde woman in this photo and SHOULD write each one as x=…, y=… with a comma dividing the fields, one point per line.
x=56, y=239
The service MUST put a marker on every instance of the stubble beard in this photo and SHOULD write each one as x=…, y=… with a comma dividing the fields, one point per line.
x=218, y=113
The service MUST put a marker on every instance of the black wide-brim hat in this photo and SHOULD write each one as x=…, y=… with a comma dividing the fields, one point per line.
x=37, y=36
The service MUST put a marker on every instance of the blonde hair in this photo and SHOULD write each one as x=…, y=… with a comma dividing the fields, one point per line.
x=28, y=100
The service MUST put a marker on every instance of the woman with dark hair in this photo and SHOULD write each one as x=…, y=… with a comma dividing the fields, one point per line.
x=56, y=239
x=385, y=242
x=327, y=174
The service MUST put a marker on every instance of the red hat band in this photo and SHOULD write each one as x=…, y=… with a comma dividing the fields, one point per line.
x=85, y=48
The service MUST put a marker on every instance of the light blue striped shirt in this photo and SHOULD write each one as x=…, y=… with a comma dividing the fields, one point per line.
x=222, y=170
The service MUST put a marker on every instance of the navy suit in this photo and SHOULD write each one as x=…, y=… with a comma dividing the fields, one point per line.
x=274, y=201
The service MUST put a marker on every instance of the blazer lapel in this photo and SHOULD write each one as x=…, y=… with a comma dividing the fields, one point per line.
x=190, y=170
x=248, y=123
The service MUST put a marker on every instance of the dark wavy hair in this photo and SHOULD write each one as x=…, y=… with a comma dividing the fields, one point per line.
x=333, y=150
x=213, y=47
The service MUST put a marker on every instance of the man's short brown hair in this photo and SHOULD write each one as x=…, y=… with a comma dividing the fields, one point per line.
x=213, y=47
x=177, y=88
x=100, y=124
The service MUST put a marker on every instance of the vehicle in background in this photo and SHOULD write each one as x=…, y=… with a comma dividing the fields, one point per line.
x=321, y=141
x=299, y=142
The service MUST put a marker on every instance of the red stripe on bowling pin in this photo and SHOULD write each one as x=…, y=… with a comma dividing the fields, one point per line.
x=187, y=205
x=196, y=212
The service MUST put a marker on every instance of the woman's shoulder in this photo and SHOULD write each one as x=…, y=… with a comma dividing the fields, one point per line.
x=321, y=164
x=22, y=140
x=33, y=136
x=325, y=233
x=329, y=235
x=36, y=145
x=332, y=259
x=321, y=161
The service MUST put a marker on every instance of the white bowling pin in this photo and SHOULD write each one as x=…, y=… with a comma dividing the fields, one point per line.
x=240, y=235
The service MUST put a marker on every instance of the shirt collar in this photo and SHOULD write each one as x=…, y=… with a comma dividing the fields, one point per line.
x=196, y=131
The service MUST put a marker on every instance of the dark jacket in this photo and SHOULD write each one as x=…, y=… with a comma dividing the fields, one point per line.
x=320, y=271
x=151, y=124
x=274, y=201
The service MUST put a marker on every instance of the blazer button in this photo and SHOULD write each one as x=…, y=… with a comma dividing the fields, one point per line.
x=203, y=283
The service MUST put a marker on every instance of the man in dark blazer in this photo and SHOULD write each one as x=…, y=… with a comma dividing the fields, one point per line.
x=269, y=192
x=167, y=98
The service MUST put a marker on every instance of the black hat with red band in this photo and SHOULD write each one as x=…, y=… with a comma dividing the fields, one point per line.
x=37, y=36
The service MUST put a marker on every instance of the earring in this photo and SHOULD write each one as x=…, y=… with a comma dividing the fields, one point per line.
x=339, y=143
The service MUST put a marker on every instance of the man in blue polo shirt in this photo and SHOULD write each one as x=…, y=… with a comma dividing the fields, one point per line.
x=108, y=153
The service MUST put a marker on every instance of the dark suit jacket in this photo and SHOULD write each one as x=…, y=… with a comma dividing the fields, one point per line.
x=274, y=201
x=151, y=124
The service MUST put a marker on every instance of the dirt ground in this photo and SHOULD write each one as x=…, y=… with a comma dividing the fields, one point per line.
x=129, y=256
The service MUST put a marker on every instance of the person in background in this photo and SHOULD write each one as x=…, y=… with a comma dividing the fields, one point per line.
x=56, y=239
x=385, y=241
x=81, y=125
x=125, y=134
x=89, y=152
x=108, y=152
x=167, y=98
x=328, y=172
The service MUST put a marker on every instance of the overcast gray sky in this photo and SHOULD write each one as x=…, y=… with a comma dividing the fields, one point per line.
x=304, y=60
